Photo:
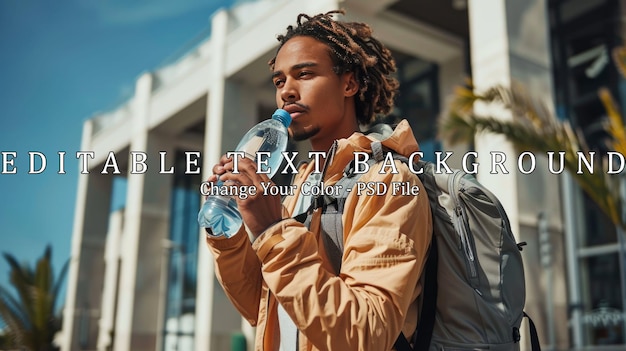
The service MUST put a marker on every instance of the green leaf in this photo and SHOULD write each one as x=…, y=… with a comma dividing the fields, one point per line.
x=30, y=318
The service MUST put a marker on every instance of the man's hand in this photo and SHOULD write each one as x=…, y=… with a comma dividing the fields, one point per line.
x=258, y=211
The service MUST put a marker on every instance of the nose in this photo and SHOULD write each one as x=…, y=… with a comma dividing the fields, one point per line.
x=289, y=91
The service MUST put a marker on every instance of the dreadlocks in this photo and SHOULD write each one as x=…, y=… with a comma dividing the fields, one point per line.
x=353, y=49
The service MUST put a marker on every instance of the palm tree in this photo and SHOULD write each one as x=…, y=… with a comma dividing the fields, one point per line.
x=534, y=128
x=32, y=318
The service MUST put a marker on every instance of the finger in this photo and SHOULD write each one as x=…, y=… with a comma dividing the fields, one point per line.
x=236, y=178
x=244, y=165
x=219, y=168
x=258, y=179
x=225, y=159
x=250, y=168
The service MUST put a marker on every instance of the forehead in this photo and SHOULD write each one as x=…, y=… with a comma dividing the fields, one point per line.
x=302, y=49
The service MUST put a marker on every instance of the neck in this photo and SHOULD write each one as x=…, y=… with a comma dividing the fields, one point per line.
x=345, y=127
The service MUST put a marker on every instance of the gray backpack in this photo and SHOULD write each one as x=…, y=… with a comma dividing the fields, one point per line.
x=474, y=290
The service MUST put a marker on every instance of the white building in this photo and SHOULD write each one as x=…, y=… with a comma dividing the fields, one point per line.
x=141, y=277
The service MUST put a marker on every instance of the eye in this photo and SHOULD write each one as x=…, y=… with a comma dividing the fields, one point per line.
x=278, y=82
x=304, y=74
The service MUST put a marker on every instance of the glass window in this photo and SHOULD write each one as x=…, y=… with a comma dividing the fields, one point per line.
x=603, y=321
x=418, y=100
x=583, y=34
x=599, y=230
x=182, y=260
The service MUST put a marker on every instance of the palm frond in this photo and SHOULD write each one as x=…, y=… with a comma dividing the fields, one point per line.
x=42, y=298
x=22, y=277
x=615, y=127
x=619, y=58
x=532, y=128
x=59, y=283
x=30, y=317
x=13, y=316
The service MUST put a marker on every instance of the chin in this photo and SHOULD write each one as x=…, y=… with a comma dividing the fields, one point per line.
x=304, y=134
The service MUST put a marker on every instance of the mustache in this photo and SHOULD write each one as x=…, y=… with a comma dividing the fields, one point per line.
x=303, y=106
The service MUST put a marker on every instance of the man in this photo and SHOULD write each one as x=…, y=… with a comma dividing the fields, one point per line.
x=332, y=77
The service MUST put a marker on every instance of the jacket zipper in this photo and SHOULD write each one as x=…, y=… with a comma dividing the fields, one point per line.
x=329, y=159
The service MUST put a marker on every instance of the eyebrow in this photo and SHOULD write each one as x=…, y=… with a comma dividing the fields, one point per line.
x=295, y=67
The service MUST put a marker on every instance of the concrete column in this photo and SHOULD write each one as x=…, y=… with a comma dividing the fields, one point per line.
x=83, y=297
x=211, y=154
x=146, y=225
x=510, y=42
x=130, y=236
x=491, y=66
x=232, y=109
x=109, y=290
x=451, y=74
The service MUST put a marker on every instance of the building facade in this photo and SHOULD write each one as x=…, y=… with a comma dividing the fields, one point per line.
x=140, y=275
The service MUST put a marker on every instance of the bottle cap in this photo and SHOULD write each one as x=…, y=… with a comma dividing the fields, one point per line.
x=283, y=116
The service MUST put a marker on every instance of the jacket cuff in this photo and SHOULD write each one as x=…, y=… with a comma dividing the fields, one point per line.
x=223, y=243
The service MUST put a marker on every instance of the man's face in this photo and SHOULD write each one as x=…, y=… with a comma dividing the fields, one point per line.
x=318, y=99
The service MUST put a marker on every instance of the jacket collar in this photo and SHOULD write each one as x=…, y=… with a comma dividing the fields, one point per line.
x=400, y=139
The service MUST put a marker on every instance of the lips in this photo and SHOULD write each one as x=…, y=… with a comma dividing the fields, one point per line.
x=294, y=110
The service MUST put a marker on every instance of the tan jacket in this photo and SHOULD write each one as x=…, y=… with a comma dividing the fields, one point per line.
x=386, y=239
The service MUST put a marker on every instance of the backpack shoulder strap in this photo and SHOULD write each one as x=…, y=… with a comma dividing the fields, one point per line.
x=332, y=207
x=332, y=236
x=332, y=210
x=534, y=337
x=426, y=319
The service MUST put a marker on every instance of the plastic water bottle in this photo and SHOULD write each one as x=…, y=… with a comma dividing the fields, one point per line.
x=220, y=212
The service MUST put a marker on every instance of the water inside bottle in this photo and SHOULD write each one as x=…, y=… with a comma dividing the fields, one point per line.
x=220, y=213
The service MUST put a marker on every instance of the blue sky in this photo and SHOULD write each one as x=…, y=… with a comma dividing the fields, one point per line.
x=60, y=63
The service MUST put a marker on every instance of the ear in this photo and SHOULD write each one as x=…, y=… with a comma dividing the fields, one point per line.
x=351, y=86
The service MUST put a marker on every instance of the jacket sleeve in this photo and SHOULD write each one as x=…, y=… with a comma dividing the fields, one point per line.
x=386, y=240
x=238, y=269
